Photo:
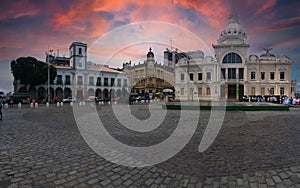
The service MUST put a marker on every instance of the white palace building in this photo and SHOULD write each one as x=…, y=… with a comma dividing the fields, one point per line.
x=76, y=77
x=232, y=74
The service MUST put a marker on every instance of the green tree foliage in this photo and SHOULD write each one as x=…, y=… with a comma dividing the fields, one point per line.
x=31, y=71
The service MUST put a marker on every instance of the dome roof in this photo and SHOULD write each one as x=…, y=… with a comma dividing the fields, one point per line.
x=233, y=31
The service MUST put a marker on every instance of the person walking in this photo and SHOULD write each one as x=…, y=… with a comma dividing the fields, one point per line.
x=1, y=104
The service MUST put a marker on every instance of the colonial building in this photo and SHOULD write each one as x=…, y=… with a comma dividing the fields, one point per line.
x=76, y=77
x=232, y=73
x=268, y=75
x=196, y=77
x=150, y=76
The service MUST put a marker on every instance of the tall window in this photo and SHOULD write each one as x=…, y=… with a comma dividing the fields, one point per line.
x=79, y=51
x=91, y=81
x=231, y=73
x=98, y=81
x=241, y=73
x=208, y=76
x=272, y=91
x=199, y=76
x=59, y=79
x=79, y=80
x=252, y=75
x=223, y=72
x=68, y=80
x=182, y=77
x=112, y=82
x=232, y=58
x=208, y=91
x=252, y=90
x=281, y=75
x=125, y=82
x=192, y=76
x=282, y=91
x=105, y=81
x=200, y=91
x=262, y=76
x=119, y=82
x=262, y=91
x=272, y=75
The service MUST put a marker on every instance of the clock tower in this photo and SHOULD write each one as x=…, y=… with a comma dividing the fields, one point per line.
x=150, y=59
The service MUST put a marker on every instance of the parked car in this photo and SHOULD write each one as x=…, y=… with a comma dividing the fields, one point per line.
x=91, y=99
x=297, y=101
x=98, y=99
x=69, y=99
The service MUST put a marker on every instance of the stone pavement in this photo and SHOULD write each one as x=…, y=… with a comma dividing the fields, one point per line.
x=42, y=147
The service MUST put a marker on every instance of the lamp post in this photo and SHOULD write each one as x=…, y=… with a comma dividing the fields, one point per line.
x=47, y=55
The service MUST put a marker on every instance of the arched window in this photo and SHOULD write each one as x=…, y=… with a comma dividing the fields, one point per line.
x=232, y=58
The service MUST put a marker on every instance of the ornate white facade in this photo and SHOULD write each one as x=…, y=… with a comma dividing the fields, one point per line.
x=232, y=73
x=150, y=76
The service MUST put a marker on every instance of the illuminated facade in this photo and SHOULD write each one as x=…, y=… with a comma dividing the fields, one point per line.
x=150, y=76
x=233, y=73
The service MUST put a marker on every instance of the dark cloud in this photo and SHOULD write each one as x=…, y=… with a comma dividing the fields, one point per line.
x=106, y=15
x=119, y=23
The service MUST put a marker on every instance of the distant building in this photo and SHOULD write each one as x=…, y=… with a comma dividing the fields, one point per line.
x=76, y=77
x=150, y=76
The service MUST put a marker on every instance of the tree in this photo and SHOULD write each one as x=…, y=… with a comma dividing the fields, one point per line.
x=31, y=71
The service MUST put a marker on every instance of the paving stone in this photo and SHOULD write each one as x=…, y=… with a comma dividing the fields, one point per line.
x=128, y=182
x=270, y=182
x=277, y=179
x=105, y=182
x=58, y=156
x=60, y=181
x=93, y=181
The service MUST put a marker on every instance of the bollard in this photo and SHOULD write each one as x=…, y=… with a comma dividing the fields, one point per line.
x=108, y=102
x=83, y=103
x=80, y=103
x=99, y=103
x=71, y=103
x=115, y=102
x=19, y=105
x=47, y=104
x=36, y=105
x=31, y=105
x=57, y=104
x=102, y=102
x=61, y=104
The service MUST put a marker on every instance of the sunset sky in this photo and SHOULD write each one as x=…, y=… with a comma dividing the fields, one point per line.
x=31, y=27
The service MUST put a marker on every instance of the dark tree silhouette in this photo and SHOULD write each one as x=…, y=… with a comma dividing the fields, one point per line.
x=31, y=71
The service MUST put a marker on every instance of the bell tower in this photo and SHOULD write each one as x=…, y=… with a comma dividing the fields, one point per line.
x=78, y=55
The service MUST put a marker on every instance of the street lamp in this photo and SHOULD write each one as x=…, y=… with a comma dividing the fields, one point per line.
x=47, y=55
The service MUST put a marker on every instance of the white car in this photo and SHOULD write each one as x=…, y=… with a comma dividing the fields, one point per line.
x=69, y=99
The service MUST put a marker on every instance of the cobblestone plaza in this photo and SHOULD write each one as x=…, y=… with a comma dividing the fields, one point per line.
x=42, y=147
